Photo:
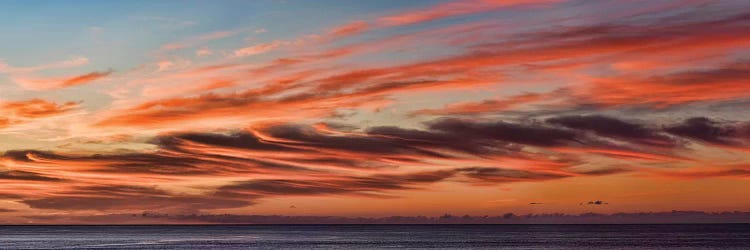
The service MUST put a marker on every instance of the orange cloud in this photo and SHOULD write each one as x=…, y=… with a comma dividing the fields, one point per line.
x=83, y=79
x=5, y=122
x=725, y=83
x=58, y=83
x=36, y=108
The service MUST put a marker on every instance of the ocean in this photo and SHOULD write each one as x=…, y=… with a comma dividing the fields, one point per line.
x=676, y=236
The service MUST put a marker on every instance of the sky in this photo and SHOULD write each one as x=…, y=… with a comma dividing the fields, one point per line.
x=373, y=108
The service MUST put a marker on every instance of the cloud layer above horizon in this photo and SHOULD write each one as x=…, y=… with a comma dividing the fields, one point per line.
x=475, y=106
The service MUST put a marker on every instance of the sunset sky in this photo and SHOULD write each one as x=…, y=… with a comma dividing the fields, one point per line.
x=373, y=108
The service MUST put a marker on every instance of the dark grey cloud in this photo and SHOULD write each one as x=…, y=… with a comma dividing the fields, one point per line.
x=154, y=163
x=102, y=197
x=705, y=129
x=613, y=127
x=530, y=134
x=25, y=176
x=242, y=140
x=603, y=171
x=500, y=175
x=596, y=203
x=309, y=137
x=361, y=185
x=444, y=140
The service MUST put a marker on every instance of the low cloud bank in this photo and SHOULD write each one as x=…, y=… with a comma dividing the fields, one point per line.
x=508, y=218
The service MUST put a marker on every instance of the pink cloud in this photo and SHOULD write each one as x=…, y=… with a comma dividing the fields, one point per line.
x=455, y=8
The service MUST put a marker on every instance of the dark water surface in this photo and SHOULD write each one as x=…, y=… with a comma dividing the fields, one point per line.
x=693, y=236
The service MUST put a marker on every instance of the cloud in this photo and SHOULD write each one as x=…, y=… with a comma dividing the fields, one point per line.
x=197, y=40
x=129, y=198
x=567, y=100
x=279, y=159
x=727, y=171
x=515, y=133
x=243, y=140
x=309, y=137
x=170, y=163
x=367, y=185
x=24, y=176
x=438, y=140
x=5, y=122
x=706, y=130
x=349, y=29
x=17, y=113
x=124, y=163
x=83, y=79
x=486, y=106
x=155, y=217
x=257, y=49
x=321, y=92
x=450, y=9
x=36, y=108
x=596, y=202
x=70, y=63
x=27, y=77
x=498, y=175
x=203, y=52
x=723, y=83
x=612, y=127
x=59, y=83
